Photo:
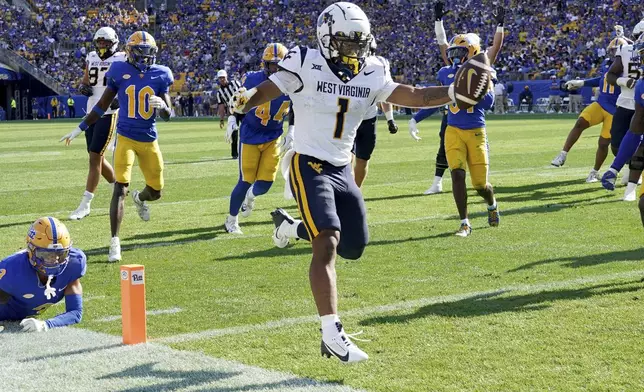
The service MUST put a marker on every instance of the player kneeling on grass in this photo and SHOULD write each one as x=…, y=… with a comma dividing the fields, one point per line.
x=260, y=132
x=34, y=279
x=466, y=141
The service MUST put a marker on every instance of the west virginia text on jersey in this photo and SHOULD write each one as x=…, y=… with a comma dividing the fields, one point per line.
x=332, y=102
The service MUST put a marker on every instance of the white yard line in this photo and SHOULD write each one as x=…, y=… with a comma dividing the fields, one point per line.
x=91, y=361
x=399, y=306
x=149, y=313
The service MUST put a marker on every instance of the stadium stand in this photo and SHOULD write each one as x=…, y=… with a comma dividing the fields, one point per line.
x=198, y=38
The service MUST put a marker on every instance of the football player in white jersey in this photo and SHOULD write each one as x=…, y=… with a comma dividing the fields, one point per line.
x=624, y=72
x=99, y=135
x=331, y=89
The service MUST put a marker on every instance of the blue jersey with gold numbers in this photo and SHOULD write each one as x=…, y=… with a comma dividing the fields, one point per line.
x=137, y=120
x=264, y=123
x=608, y=93
x=639, y=93
x=21, y=282
x=471, y=118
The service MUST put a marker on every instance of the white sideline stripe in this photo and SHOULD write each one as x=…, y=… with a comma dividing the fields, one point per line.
x=559, y=171
x=149, y=313
x=404, y=305
x=28, y=154
x=92, y=361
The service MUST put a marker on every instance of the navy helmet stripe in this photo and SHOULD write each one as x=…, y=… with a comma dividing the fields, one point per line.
x=54, y=231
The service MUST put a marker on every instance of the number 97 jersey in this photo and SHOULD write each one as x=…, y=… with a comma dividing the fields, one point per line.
x=96, y=70
x=137, y=119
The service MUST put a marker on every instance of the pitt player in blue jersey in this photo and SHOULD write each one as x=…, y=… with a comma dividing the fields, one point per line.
x=599, y=112
x=46, y=272
x=466, y=141
x=445, y=77
x=142, y=89
x=260, y=131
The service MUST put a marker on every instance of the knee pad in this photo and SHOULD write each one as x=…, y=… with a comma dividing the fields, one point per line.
x=637, y=163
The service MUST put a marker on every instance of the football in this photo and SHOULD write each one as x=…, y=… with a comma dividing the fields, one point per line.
x=472, y=81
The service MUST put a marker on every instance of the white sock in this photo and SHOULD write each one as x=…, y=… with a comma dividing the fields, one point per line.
x=564, y=153
x=630, y=187
x=465, y=222
x=328, y=324
x=438, y=180
x=87, y=198
x=250, y=195
x=136, y=198
x=493, y=205
x=290, y=229
x=235, y=218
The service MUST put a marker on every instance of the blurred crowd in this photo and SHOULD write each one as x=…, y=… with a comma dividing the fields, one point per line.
x=566, y=38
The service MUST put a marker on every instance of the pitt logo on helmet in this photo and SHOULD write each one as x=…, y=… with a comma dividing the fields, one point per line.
x=273, y=54
x=141, y=49
x=48, y=246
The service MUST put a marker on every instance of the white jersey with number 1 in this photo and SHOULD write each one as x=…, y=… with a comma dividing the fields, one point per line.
x=631, y=64
x=330, y=106
x=96, y=70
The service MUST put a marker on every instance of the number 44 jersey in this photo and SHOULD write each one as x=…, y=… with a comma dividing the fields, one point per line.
x=96, y=70
x=329, y=103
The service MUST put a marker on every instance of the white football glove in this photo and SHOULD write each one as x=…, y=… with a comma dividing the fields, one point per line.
x=231, y=128
x=240, y=98
x=413, y=130
x=70, y=136
x=33, y=325
x=574, y=84
x=158, y=103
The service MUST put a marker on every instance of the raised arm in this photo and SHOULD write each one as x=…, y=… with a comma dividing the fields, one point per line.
x=441, y=36
x=499, y=18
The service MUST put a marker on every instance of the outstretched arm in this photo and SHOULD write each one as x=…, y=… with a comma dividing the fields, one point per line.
x=73, y=307
x=420, y=97
x=265, y=92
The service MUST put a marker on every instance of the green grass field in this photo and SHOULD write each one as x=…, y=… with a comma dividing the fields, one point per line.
x=552, y=299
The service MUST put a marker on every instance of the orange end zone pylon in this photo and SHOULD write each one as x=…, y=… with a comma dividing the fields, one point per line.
x=133, y=304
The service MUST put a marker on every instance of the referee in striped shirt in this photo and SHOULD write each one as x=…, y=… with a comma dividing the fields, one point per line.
x=225, y=93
